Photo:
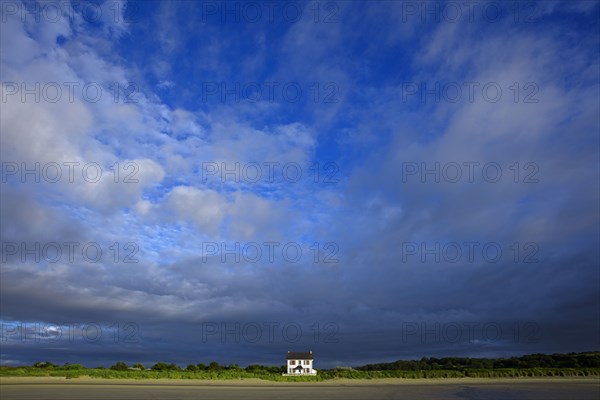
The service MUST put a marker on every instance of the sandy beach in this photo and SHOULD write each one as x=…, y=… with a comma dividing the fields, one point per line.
x=434, y=389
x=84, y=380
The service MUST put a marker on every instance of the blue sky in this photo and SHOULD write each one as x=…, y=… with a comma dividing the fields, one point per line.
x=436, y=164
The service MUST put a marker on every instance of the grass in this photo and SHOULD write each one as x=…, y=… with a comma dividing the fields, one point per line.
x=321, y=376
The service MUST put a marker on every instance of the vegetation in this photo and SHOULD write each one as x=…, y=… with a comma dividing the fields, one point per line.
x=571, y=360
x=120, y=366
x=534, y=365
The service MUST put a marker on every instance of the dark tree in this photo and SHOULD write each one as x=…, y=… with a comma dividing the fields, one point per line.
x=160, y=366
x=119, y=366
x=214, y=366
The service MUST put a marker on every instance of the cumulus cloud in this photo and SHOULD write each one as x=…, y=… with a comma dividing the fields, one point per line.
x=205, y=208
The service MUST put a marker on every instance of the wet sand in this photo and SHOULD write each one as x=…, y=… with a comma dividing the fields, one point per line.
x=46, y=388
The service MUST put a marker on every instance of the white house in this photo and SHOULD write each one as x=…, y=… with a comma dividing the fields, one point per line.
x=300, y=364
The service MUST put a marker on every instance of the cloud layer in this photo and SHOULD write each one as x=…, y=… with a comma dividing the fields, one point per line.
x=370, y=182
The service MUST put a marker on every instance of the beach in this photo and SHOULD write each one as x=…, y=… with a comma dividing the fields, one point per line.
x=46, y=388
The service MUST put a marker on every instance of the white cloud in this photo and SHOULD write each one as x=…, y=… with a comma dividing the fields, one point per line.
x=256, y=218
x=43, y=132
x=115, y=191
x=205, y=208
x=235, y=142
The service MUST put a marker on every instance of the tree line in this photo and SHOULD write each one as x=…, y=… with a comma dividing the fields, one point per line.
x=570, y=360
x=163, y=366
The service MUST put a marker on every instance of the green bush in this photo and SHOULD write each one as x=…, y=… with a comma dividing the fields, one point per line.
x=73, y=366
x=273, y=373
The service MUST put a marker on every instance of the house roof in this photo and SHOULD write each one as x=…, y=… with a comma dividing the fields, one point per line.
x=299, y=356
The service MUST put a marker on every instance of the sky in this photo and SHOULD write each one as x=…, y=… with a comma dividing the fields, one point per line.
x=197, y=181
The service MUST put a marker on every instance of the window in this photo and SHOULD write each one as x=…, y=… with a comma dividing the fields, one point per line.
x=292, y=362
x=306, y=362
